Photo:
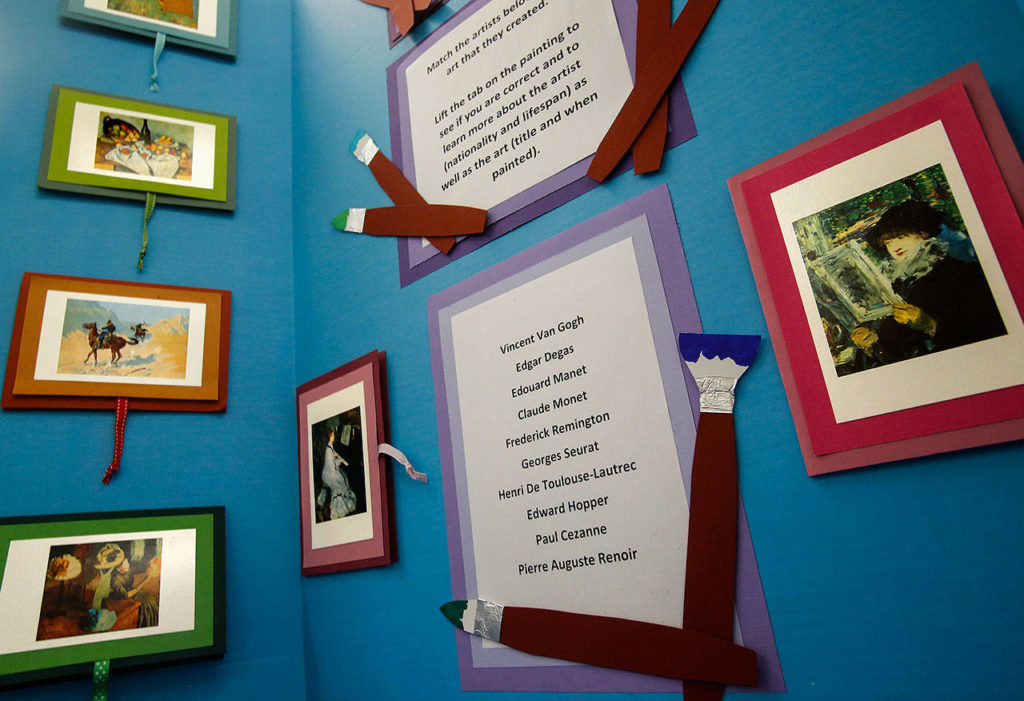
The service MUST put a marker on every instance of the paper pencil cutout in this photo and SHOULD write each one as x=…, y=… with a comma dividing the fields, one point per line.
x=651, y=85
x=616, y=643
x=393, y=181
x=413, y=220
x=716, y=363
x=402, y=12
x=653, y=24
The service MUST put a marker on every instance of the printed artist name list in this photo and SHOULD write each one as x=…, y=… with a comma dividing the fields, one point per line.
x=566, y=503
x=564, y=444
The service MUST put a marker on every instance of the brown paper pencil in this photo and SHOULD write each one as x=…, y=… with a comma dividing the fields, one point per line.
x=616, y=643
x=653, y=23
x=716, y=362
x=393, y=181
x=650, y=86
x=401, y=12
x=412, y=220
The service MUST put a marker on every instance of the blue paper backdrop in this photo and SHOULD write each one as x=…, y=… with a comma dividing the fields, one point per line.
x=900, y=581
x=52, y=461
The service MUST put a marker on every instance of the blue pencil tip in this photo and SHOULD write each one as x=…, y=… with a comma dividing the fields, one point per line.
x=355, y=140
x=740, y=348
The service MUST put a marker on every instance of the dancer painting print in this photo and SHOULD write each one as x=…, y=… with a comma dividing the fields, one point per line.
x=95, y=587
x=132, y=587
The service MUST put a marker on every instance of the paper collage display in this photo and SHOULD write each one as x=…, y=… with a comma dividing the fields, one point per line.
x=543, y=366
x=470, y=131
x=585, y=420
x=888, y=255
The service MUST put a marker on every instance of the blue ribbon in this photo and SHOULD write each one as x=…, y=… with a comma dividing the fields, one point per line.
x=158, y=48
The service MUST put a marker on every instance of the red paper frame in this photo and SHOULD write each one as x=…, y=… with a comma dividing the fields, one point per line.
x=995, y=175
x=381, y=547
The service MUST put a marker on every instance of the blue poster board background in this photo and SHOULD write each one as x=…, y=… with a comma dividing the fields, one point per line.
x=900, y=581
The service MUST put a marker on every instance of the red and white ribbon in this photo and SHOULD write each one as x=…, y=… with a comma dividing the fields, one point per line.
x=120, y=418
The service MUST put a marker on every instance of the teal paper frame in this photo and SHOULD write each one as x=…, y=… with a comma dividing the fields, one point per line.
x=225, y=40
x=205, y=640
x=54, y=173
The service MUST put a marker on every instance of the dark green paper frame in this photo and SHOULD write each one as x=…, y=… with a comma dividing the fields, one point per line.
x=54, y=173
x=225, y=40
x=205, y=640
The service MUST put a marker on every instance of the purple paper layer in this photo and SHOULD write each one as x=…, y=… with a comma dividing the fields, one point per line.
x=650, y=222
x=416, y=261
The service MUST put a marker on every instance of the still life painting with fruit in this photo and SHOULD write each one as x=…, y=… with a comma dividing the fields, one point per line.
x=143, y=146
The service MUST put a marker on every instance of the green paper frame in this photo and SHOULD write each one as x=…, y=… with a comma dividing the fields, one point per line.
x=205, y=640
x=54, y=173
x=223, y=41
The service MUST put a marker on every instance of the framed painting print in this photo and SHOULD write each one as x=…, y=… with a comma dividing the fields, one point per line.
x=133, y=587
x=79, y=343
x=203, y=24
x=889, y=257
x=118, y=147
x=345, y=507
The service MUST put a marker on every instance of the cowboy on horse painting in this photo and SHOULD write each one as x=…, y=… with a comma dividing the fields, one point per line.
x=147, y=338
x=106, y=332
x=106, y=339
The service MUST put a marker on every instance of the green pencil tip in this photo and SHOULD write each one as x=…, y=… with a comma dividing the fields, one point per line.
x=453, y=611
x=339, y=221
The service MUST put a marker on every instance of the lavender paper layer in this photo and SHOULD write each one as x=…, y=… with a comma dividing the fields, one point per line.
x=650, y=222
x=415, y=260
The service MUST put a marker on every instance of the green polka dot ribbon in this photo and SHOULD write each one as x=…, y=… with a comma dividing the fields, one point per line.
x=100, y=673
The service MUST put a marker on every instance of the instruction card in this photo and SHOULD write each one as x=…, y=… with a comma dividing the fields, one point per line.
x=491, y=106
x=502, y=107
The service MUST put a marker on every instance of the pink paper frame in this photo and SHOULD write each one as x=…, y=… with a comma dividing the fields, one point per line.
x=995, y=175
x=380, y=548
